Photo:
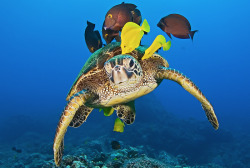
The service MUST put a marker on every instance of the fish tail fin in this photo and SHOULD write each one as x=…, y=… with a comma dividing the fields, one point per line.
x=166, y=46
x=91, y=25
x=162, y=40
x=145, y=26
x=192, y=34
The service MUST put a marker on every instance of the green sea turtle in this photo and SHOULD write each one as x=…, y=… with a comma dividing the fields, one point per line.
x=110, y=79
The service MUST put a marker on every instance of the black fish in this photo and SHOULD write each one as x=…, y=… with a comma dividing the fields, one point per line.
x=92, y=38
x=115, y=145
x=177, y=25
x=17, y=150
x=109, y=35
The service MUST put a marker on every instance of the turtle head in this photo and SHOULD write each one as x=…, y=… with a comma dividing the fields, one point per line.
x=123, y=71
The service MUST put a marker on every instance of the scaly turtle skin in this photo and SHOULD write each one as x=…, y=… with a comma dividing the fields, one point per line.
x=109, y=79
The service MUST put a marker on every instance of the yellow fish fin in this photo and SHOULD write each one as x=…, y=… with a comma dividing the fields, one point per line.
x=108, y=111
x=166, y=46
x=119, y=125
x=145, y=26
x=159, y=42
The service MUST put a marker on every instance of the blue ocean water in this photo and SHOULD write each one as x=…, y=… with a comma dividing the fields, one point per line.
x=42, y=49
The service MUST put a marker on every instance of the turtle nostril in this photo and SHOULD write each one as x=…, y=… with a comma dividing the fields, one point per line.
x=117, y=68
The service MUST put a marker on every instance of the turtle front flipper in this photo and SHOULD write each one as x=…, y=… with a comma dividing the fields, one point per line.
x=126, y=112
x=80, y=116
x=74, y=103
x=187, y=84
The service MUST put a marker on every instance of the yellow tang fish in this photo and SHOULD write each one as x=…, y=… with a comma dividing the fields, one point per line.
x=159, y=42
x=119, y=125
x=107, y=111
x=131, y=35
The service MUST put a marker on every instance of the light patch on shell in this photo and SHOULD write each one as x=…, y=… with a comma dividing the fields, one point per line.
x=128, y=95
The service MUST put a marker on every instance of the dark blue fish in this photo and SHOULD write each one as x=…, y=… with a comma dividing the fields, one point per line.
x=17, y=150
x=115, y=145
x=92, y=38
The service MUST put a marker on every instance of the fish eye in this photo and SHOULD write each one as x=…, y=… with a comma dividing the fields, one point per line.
x=110, y=16
x=131, y=63
x=106, y=35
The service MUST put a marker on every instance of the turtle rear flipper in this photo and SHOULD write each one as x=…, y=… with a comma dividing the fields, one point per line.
x=74, y=103
x=188, y=85
x=80, y=116
x=126, y=112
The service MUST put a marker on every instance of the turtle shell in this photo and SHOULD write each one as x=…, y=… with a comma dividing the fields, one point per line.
x=98, y=58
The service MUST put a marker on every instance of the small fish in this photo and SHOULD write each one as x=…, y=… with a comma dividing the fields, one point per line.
x=108, y=111
x=109, y=35
x=115, y=145
x=131, y=35
x=119, y=125
x=92, y=38
x=177, y=25
x=159, y=42
x=118, y=16
x=17, y=150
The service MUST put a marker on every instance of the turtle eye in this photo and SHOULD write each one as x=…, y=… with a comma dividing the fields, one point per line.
x=110, y=16
x=131, y=63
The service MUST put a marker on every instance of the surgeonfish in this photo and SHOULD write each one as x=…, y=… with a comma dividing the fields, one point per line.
x=177, y=25
x=92, y=38
x=108, y=111
x=115, y=145
x=119, y=125
x=131, y=35
x=17, y=150
x=109, y=35
x=159, y=42
x=118, y=16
